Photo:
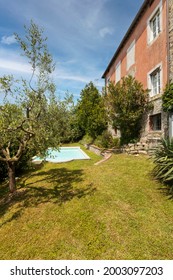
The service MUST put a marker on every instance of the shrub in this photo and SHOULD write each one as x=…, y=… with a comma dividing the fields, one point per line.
x=116, y=142
x=167, y=98
x=127, y=101
x=106, y=140
x=86, y=140
x=163, y=159
x=98, y=141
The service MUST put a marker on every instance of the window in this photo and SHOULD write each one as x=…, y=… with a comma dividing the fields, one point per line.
x=155, y=82
x=155, y=122
x=118, y=72
x=154, y=24
x=131, y=55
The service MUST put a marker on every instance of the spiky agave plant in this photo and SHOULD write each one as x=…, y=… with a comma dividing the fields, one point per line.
x=163, y=159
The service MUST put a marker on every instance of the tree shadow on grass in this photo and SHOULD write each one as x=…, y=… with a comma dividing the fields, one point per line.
x=3, y=189
x=58, y=186
x=166, y=189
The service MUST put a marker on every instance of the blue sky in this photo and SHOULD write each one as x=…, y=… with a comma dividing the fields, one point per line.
x=82, y=37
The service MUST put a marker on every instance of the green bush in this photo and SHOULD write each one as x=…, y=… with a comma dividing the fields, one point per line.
x=127, y=102
x=98, y=141
x=116, y=142
x=107, y=141
x=86, y=140
x=167, y=98
x=163, y=159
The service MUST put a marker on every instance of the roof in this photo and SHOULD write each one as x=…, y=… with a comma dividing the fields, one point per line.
x=132, y=26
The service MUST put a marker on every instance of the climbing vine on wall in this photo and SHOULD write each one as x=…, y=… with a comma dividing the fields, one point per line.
x=167, y=98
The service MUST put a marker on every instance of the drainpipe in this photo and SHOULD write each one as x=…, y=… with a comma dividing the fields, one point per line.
x=168, y=41
x=168, y=60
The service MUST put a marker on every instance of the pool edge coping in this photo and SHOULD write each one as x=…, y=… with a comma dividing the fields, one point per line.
x=74, y=147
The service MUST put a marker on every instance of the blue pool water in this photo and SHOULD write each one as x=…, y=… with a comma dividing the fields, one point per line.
x=64, y=154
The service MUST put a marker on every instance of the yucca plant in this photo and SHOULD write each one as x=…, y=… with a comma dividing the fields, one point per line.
x=163, y=159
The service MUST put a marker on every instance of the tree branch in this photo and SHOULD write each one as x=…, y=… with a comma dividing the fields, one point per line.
x=3, y=159
x=33, y=73
x=27, y=132
x=22, y=146
x=4, y=152
x=8, y=148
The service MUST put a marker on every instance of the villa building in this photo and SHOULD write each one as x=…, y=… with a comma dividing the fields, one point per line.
x=146, y=53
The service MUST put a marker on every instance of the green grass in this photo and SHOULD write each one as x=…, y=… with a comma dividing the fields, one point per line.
x=77, y=210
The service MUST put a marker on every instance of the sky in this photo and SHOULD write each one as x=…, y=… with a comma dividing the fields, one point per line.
x=83, y=35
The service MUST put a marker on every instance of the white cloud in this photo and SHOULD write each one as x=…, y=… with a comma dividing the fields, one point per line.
x=14, y=66
x=105, y=31
x=12, y=61
x=67, y=76
x=76, y=74
x=8, y=40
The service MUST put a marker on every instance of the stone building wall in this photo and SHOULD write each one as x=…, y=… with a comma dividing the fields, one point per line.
x=148, y=135
x=140, y=148
x=150, y=56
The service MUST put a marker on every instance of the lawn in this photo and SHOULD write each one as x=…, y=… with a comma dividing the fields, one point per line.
x=79, y=210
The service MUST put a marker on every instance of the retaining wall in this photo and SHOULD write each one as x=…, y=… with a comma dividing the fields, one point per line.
x=131, y=149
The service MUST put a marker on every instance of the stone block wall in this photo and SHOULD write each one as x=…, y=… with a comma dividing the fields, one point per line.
x=94, y=149
x=140, y=148
x=146, y=132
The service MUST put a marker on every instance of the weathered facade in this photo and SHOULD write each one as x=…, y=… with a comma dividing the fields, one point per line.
x=170, y=11
x=170, y=56
x=146, y=53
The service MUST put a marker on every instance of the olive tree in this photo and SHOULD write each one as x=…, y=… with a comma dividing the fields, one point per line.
x=31, y=120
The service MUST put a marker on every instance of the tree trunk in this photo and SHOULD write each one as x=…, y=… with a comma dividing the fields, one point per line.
x=11, y=176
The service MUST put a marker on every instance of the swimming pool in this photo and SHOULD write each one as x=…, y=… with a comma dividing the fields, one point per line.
x=64, y=154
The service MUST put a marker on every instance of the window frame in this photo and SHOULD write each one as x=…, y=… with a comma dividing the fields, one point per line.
x=129, y=60
x=157, y=17
x=118, y=72
x=155, y=81
x=155, y=124
x=155, y=25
